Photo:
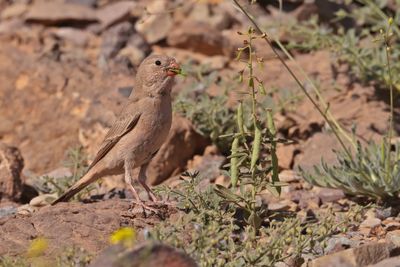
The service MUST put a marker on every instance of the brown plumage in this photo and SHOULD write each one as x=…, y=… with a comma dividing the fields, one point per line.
x=139, y=130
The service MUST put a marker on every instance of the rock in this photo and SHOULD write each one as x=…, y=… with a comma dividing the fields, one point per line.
x=319, y=146
x=56, y=13
x=197, y=37
x=391, y=225
x=393, y=262
x=394, y=237
x=208, y=166
x=43, y=200
x=181, y=145
x=78, y=37
x=75, y=224
x=354, y=257
x=329, y=194
x=285, y=154
x=217, y=17
x=7, y=211
x=306, y=199
x=15, y=10
x=114, y=13
x=88, y=3
x=133, y=54
x=26, y=209
x=115, y=38
x=150, y=254
x=340, y=243
x=11, y=164
x=279, y=206
x=155, y=27
x=9, y=26
x=215, y=62
x=289, y=176
x=371, y=223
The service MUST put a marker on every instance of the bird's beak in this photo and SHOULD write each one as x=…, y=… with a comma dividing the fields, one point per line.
x=173, y=69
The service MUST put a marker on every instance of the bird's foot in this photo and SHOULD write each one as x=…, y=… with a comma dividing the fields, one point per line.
x=144, y=207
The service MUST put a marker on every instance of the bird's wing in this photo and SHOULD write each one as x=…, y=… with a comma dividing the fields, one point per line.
x=125, y=122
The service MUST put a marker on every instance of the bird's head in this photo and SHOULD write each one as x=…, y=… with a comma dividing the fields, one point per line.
x=156, y=73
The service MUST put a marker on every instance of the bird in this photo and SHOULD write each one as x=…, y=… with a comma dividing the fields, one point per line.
x=138, y=131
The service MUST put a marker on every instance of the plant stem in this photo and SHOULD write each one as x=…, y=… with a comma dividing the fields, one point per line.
x=390, y=131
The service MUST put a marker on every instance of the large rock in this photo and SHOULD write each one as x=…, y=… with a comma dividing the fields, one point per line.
x=156, y=26
x=55, y=13
x=11, y=164
x=142, y=256
x=114, y=13
x=181, y=145
x=355, y=257
x=88, y=226
x=197, y=37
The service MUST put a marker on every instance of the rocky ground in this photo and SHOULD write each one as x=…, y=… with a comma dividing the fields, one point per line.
x=67, y=66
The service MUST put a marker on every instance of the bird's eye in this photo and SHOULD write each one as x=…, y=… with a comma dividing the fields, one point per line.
x=158, y=62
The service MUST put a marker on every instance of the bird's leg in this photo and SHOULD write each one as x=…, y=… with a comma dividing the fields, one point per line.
x=142, y=181
x=128, y=181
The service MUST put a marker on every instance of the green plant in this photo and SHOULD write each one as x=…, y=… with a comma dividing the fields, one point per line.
x=215, y=233
x=77, y=163
x=209, y=115
x=374, y=170
x=365, y=173
x=253, y=160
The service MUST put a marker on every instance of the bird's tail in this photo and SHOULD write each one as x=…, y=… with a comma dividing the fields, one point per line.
x=87, y=179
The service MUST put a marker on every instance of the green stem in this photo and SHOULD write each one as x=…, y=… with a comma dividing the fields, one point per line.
x=390, y=132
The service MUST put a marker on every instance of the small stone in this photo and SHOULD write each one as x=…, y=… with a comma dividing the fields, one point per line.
x=15, y=10
x=384, y=213
x=114, y=13
x=22, y=82
x=54, y=13
x=285, y=154
x=88, y=3
x=11, y=164
x=278, y=206
x=156, y=27
x=359, y=256
x=7, y=211
x=329, y=194
x=394, y=262
x=43, y=200
x=26, y=209
x=197, y=37
x=289, y=176
x=134, y=54
x=394, y=237
x=115, y=38
x=222, y=180
x=391, y=226
x=76, y=36
x=371, y=223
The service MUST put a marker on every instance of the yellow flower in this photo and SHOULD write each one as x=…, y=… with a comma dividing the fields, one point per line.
x=37, y=247
x=125, y=236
